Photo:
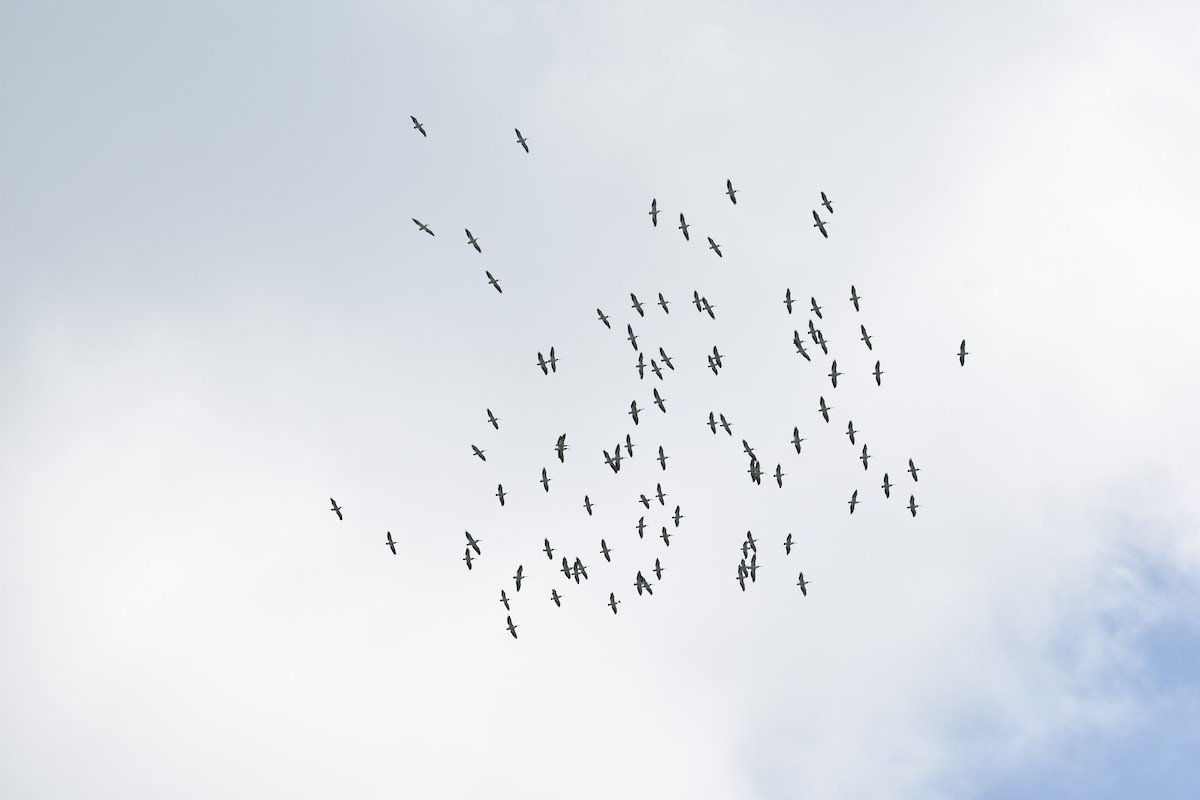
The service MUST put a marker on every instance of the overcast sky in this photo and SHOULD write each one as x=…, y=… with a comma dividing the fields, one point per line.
x=216, y=314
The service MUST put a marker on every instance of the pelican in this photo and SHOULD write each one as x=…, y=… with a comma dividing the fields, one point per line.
x=819, y=224
x=796, y=440
x=912, y=504
x=683, y=226
x=749, y=450
x=521, y=140
x=877, y=374
x=787, y=300
x=629, y=445
x=913, y=469
x=471, y=240
x=587, y=504
x=641, y=366
x=580, y=569
x=656, y=369
x=641, y=527
x=391, y=542
x=825, y=201
x=729, y=190
x=796, y=340
x=696, y=301
x=467, y=558
x=637, y=306
x=494, y=281
x=642, y=583
x=553, y=361
x=666, y=537
x=751, y=542
x=712, y=422
x=825, y=409
x=716, y=248
x=549, y=550
x=779, y=473
x=754, y=568
x=708, y=308
x=608, y=460
x=519, y=576
x=717, y=357
x=613, y=601
x=821, y=341
x=500, y=492
x=662, y=301
x=644, y=500
x=962, y=353
x=654, y=212
x=473, y=543
x=755, y=471
x=659, y=401
x=561, y=447
x=866, y=337
x=741, y=579
x=658, y=569
x=422, y=226
x=605, y=550
x=666, y=359
x=566, y=568
x=604, y=319
x=617, y=458
x=677, y=516
x=554, y=596
x=887, y=487
x=336, y=508
x=479, y=453
x=816, y=308
x=545, y=480
x=512, y=628
x=633, y=411
x=725, y=424
x=418, y=125
x=712, y=364
x=863, y=458
x=833, y=373
x=854, y=297
x=812, y=331
x=662, y=458
x=542, y=363
x=853, y=500
x=632, y=336
x=492, y=419
x=504, y=599
x=787, y=545
x=850, y=431
x=660, y=494
x=803, y=584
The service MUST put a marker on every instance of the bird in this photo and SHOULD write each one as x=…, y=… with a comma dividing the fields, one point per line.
x=708, y=308
x=336, y=508
x=658, y=569
x=587, y=504
x=605, y=551
x=629, y=445
x=716, y=248
x=729, y=190
x=657, y=370
x=632, y=336
x=467, y=558
x=493, y=419
x=659, y=401
x=494, y=282
x=554, y=596
x=566, y=568
x=887, y=487
x=863, y=458
x=677, y=516
x=654, y=212
x=644, y=500
x=825, y=409
x=504, y=599
x=751, y=542
x=637, y=306
x=642, y=583
x=609, y=460
x=812, y=332
x=641, y=366
x=854, y=296
x=796, y=440
x=604, y=319
x=580, y=569
x=913, y=469
x=796, y=340
x=422, y=226
x=633, y=411
x=755, y=471
x=833, y=373
x=553, y=361
x=850, y=431
x=741, y=578
x=418, y=125
x=878, y=373
x=866, y=337
x=616, y=465
x=473, y=543
x=549, y=550
x=787, y=545
x=962, y=353
x=666, y=359
x=512, y=628
x=779, y=473
x=561, y=447
x=471, y=240
x=726, y=424
x=519, y=576
x=641, y=527
x=542, y=363
x=662, y=458
x=717, y=357
x=912, y=504
x=666, y=537
x=521, y=140
x=479, y=453
x=820, y=225
x=712, y=364
x=803, y=584
x=816, y=308
x=787, y=300
x=821, y=341
x=391, y=542
x=500, y=493
x=754, y=568
x=696, y=301
x=853, y=500
x=613, y=601
x=660, y=494
x=683, y=226
x=749, y=450
x=662, y=301
x=545, y=480
x=712, y=423
x=825, y=201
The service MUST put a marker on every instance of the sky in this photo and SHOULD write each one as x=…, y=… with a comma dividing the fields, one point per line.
x=217, y=314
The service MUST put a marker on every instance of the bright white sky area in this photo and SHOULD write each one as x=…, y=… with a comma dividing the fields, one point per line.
x=216, y=314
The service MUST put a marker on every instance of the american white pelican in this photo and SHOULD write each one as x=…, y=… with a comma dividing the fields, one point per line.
x=716, y=248
x=853, y=500
x=545, y=480
x=962, y=353
x=637, y=306
x=913, y=469
x=493, y=419
x=796, y=440
x=521, y=140
x=418, y=125
x=662, y=301
x=500, y=492
x=512, y=628
x=666, y=359
x=803, y=584
x=659, y=401
x=604, y=319
x=820, y=225
x=796, y=340
x=854, y=296
x=423, y=226
x=587, y=504
x=662, y=458
x=473, y=543
x=887, y=486
x=863, y=458
x=654, y=212
x=471, y=240
x=494, y=281
x=613, y=601
x=520, y=576
x=683, y=226
x=825, y=409
x=336, y=508
x=729, y=190
x=391, y=543
x=479, y=453
x=912, y=504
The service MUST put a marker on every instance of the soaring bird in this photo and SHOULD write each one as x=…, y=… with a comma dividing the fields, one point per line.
x=604, y=319
x=644, y=500
x=665, y=536
x=632, y=336
x=512, y=628
x=717, y=357
x=659, y=401
x=796, y=340
x=471, y=240
x=628, y=445
x=708, y=308
x=716, y=248
x=726, y=424
x=816, y=308
x=566, y=568
x=521, y=140
x=820, y=225
x=912, y=504
x=336, y=508
x=696, y=301
x=863, y=458
x=853, y=500
x=467, y=558
x=754, y=568
x=637, y=306
x=641, y=366
x=613, y=601
x=391, y=542
x=479, y=453
x=554, y=596
x=553, y=361
x=825, y=409
x=422, y=226
x=660, y=494
x=712, y=364
x=878, y=373
x=642, y=583
x=519, y=576
x=749, y=450
x=654, y=212
x=657, y=370
x=803, y=584
x=833, y=373
x=729, y=190
x=658, y=569
x=609, y=460
x=662, y=301
x=821, y=341
x=787, y=300
x=662, y=458
x=545, y=480
x=418, y=125
x=500, y=492
x=677, y=516
x=887, y=486
x=641, y=527
x=787, y=545
x=560, y=447
x=962, y=353
x=633, y=411
x=779, y=473
x=913, y=469
x=473, y=543
x=712, y=422
x=605, y=550
x=796, y=440
x=494, y=281
x=683, y=226
x=850, y=431
x=587, y=504
x=812, y=332
x=504, y=599
x=493, y=419
x=866, y=337
x=542, y=363
x=549, y=551
x=666, y=359
x=854, y=296
x=825, y=201
x=580, y=569
x=751, y=542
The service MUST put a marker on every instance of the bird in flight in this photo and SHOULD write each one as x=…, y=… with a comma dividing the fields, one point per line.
x=657, y=370
x=604, y=319
x=479, y=453
x=712, y=364
x=712, y=422
x=641, y=527
x=816, y=308
x=548, y=550
x=821, y=341
x=542, y=363
x=391, y=542
x=729, y=190
x=912, y=504
x=418, y=125
x=913, y=469
x=787, y=545
x=864, y=457
x=644, y=500
x=825, y=201
x=833, y=373
x=779, y=473
x=683, y=226
x=662, y=458
x=641, y=366
x=658, y=569
x=512, y=628
x=825, y=409
x=665, y=536
x=887, y=486
x=803, y=584
x=708, y=308
x=553, y=361
x=560, y=447
x=642, y=583
x=632, y=337
x=566, y=568
x=666, y=359
x=654, y=212
x=504, y=599
x=636, y=305
x=677, y=516
x=696, y=301
x=853, y=500
x=473, y=543
x=962, y=353
x=787, y=300
x=500, y=492
x=545, y=480
x=662, y=301
x=520, y=576
x=659, y=401
x=854, y=296
x=717, y=357
x=613, y=601
x=521, y=140
x=633, y=411
x=660, y=494
x=467, y=558
x=716, y=248
x=495, y=282
x=819, y=224
x=492, y=419
x=587, y=504
x=850, y=431
x=796, y=340
x=422, y=226
x=725, y=424
x=866, y=337
x=471, y=240
x=605, y=550
x=336, y=508
x=877, y=374
x=554, y=596
x=796, y=440
x=628, y=445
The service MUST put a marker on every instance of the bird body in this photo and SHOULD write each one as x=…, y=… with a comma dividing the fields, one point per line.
x=422, y=226
x=962, y=353
x=418, y=126
x=683, y=226
x=825, y=201
x=521, y=140
x=853, y=500
x=654, y=212
x=716, y=248
x=336, y=508
x=471, y=240
x=819, y=224
x=391, y=543
x=729, y=190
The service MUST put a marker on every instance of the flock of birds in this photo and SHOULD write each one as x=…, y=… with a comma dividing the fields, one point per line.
x=574, y=568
